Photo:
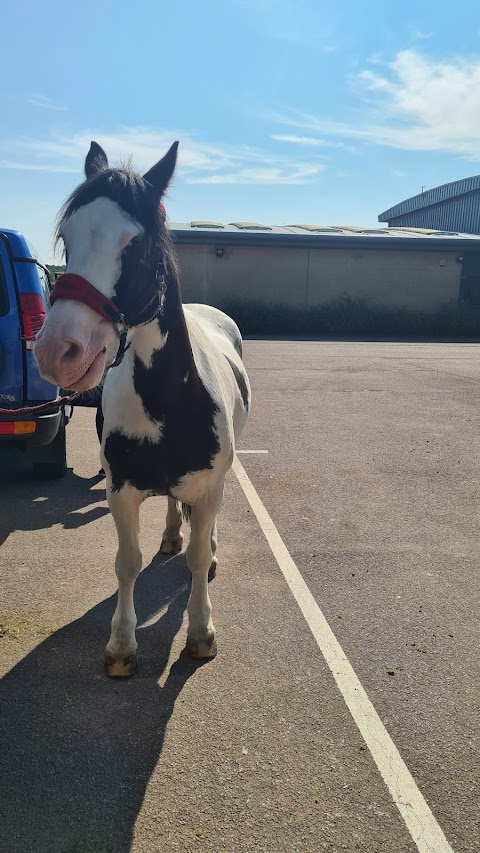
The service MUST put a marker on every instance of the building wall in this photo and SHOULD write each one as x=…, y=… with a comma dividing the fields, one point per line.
x=302, y=278
x=415, y=280
x=266, y=275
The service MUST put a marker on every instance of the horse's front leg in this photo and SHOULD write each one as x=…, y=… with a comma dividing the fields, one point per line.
x=121, y=651
x=201, y=641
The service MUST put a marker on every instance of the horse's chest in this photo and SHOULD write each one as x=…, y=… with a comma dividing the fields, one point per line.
x=158, y=431
x=161, y=465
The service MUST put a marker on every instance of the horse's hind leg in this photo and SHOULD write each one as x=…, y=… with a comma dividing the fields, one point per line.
x=201, y=630
x=214, y=541
x=172, y=538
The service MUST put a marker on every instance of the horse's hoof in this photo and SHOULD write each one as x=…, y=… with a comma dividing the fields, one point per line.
x=120, y=667
x=213, y=569
x=172, y=546
x=202, y=649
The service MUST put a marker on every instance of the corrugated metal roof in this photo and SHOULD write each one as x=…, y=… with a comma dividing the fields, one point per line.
x=429, y=197
x=458, y=215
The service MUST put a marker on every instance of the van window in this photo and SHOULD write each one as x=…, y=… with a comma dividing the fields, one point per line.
x=4, y=304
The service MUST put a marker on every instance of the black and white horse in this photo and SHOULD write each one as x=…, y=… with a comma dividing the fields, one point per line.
x=176, y=401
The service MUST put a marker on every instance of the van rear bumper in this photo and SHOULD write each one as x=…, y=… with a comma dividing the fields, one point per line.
x=46, y=429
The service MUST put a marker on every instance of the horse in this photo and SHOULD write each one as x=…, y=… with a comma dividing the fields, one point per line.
x=176, y=393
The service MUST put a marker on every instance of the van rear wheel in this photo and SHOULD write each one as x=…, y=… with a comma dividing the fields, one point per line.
x=55, y=464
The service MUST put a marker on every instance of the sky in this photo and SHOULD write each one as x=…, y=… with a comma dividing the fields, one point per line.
x=287, y=111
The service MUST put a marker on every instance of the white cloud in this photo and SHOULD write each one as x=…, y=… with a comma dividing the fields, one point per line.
x=300, y=174
x=414, y=103
x=145, y=145
x=46, y=103
x=199, y=162
x=375, y=59
x=314, y=141
x=419, y=35
x=299, y=140
x=36, y=167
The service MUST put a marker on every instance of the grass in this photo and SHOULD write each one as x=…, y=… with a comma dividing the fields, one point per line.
x=355, y=317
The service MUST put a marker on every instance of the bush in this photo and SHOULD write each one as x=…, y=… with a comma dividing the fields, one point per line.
x=353, y=316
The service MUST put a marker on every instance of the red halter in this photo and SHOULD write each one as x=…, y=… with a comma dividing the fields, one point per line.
x=73, y=286
x=69, y=285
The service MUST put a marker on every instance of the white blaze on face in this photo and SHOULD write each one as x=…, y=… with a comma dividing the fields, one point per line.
x=75, y=343
x=95, y=237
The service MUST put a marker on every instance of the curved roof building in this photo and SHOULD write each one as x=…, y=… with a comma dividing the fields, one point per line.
x=450, y=207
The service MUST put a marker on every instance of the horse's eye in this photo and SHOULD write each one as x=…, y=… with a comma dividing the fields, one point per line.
x=64, y=248
x=131, y=244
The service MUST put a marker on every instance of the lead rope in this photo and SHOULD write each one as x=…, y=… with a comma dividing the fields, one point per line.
x=28, y=410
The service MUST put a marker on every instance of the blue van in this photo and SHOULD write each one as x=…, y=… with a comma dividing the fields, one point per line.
x=24, y=304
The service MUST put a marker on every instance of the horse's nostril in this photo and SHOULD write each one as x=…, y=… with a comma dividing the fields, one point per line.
x=73, y=352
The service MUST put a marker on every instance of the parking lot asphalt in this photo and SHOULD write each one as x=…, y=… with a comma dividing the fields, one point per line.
x=371, y=478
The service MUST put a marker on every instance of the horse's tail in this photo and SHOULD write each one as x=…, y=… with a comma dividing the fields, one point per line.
x=187, y=511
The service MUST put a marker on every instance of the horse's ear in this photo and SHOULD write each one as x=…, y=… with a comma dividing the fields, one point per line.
x=96, y=160
x=160, y=175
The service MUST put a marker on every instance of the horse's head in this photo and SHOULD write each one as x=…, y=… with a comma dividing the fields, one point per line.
x=115, y=239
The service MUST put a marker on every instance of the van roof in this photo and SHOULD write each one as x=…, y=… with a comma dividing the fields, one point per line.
x=20, y=246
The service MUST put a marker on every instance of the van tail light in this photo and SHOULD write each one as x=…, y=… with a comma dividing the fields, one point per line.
x=17, y=427
x=33, y=316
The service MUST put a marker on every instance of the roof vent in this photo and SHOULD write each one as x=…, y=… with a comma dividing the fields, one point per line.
x=250, y=226
x=353, y=228
x=374, y=231
x=204, y=223
x=316, y=229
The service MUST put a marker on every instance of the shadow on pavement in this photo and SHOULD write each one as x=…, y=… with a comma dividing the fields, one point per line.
x=29, y=504
x=78, y=749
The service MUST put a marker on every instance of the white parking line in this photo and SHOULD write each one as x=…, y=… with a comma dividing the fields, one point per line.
x=252, y=451
x=418, y=817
